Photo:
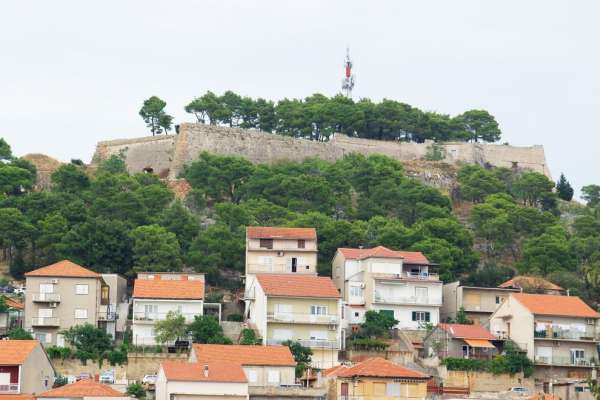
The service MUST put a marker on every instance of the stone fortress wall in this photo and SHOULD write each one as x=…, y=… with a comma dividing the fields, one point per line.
x=166, y=155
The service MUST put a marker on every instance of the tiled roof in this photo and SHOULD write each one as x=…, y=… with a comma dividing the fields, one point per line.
x=529, y=282
x=15, y=352
x=380, y=368
x=168, y=289
x=12, y=303
x=244, y=355
x=16, y=397
x=409, y=257
x=287, y=285
x=269, y=232
x=83, y=388
x=218, y=371
x=547, y=304
x=463, y=331
x=64, y=268
x=333, y=370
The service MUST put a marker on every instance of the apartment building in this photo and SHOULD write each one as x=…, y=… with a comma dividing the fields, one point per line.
x=12, y=316
x=155, y=294
x=559, y=333
x=24, y=368
x=396, y=282
x=60, y=296
x=113, y=315
x=301, y=308
x=478, y=302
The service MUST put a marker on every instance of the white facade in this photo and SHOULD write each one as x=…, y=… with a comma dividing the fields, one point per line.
x=183, y=390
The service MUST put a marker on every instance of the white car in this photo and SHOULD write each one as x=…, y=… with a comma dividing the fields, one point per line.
x=522, y=391
x=149, y=380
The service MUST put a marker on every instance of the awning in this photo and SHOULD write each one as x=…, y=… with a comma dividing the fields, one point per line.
x=479, y=343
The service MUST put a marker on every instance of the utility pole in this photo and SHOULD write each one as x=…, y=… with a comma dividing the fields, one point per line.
x=348, y=81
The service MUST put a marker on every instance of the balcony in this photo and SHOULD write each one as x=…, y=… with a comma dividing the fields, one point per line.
x=423, y=301
x=151, y=318
x=420, y=276
x=488, y=306
x=278, y=269
x=556, y=332
x=296, y=318
x=45, y=321
x=312, y=343
x=46, y=297
x=566, y=361
x=10, y=388
x=107, y=316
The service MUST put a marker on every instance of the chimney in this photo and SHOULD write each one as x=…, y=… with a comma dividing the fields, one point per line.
x=206, y=370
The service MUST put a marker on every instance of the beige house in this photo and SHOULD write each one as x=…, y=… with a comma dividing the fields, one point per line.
x=478, y=302
x=85, y=389
x=460, y=341
x=380, y=279
x=60, y=296
x=301, y=308
x=24, y=368
x=178, y=380
x=559, y=333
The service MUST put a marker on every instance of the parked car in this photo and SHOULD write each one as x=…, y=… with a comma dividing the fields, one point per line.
x=108, y=376
x=522, y=391
x=83, y=376
x=149, y=380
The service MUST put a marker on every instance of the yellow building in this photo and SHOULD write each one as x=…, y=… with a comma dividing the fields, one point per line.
x=375, y=379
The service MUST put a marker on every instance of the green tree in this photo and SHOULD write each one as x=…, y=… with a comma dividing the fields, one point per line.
x=248, y=337
x=70, y=178
x=179, y=220
x=114, y=164
x=206, y=329
x=154, y=115
x=209, y=107
x=19, y=334
x=89, y=340
x=476, y=183
x=479, y=125
x=462, y=318
x=136, y=390
x=302, y=355
x=155, y=249
x=5, y=151
x=531, y=186
x=564, y=188
x=171, y=328
x=591, y=194
x=15, y=180
x=377, y=324
x=51, y=231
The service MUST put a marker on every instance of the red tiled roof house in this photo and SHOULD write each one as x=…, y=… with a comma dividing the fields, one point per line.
x=460, y=341
x=24, y=368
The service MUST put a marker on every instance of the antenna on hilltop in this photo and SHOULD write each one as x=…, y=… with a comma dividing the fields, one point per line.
x=348, y=81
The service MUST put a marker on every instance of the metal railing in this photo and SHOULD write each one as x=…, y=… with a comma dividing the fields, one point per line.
x=568, y=361
x=303, y=318
x=472, y=356
x=10, y=388
x=312, y=343
x=46, y=297
x=45, y=321
x=559, y=332
x=278, y=268
x=107, y=316
x=406, y=300
x=159, y=316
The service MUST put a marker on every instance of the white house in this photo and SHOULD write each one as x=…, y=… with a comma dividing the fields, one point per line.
x=156, y=294
x=380, y=279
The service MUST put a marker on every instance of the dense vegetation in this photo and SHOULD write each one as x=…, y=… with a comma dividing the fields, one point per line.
x=498, y=222
x=317, y=117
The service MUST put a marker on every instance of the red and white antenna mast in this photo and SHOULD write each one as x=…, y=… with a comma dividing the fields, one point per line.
x=348, y=82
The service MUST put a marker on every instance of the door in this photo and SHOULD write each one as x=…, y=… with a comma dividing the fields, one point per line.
x=294, y=264
x=344, y=390
x=283, y=312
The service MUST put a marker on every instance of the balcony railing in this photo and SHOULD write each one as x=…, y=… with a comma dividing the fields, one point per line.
x=152, y=317
x=45, y=321
x=483, y=306
x=9, y=388
x=566, y=361
x=303, y=318
x=107, y=316
x=560, y=333
x=46, y=297
x=407, y=300
x=424, y=276
x=312, y=343
x=278, y=269
x=472, y=356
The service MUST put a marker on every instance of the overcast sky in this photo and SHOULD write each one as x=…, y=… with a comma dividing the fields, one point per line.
x=75, y=72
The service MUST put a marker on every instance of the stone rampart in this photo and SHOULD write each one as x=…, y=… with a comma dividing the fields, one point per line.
x=168, y=154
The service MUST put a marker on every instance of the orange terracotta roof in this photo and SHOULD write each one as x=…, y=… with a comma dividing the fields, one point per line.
x=543, y=396
x=218, y=371
x=547, y=304
x=15, y=352
x=83, y=388
x=16, y=397
x=244, y=355
x=464, y=331
x=13, y=303
x=381, y=368
x=287, y=285
x=64, y=268
x=168, y=289
x=529, y=282
x=270, y=232
x=409, y=257
x=333, y=370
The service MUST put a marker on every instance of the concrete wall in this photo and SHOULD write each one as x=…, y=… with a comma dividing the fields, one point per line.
x=37, y=374
x=485, y=381
x=166, y=390
x=170, y=153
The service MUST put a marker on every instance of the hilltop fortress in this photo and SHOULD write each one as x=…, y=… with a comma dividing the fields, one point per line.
x=166, y=155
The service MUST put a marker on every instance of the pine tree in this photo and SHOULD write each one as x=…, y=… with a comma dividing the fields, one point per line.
x=564, y=188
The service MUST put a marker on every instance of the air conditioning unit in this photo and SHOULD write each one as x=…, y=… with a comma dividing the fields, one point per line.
x=53, y=280
x=52, y=305
x=362, y=285
x=280, y=254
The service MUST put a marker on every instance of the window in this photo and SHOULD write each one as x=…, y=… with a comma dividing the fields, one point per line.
x=301, y=243
x=318, y=310
x=81, y=289
x=421, y=316
x=387, y=312
x=392, y=389
x=499, y=299
x=104, y=295
x=252, y=376
x=81, y=313
x=45, y=312
x=356, y=291
x=357, y=314
x=266, y=243
x=421, y=292
x=318, y=335
x=379, y=388
x=273, y=376
x=40, y=336
x=46, y=288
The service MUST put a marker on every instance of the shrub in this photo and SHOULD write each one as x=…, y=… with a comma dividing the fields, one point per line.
x=368, y=344
x=60, y=380
x=117, y=357
x=249, y=337
x=136, y=390
x=55, y=352
x=235, y=318
x=19, y=334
